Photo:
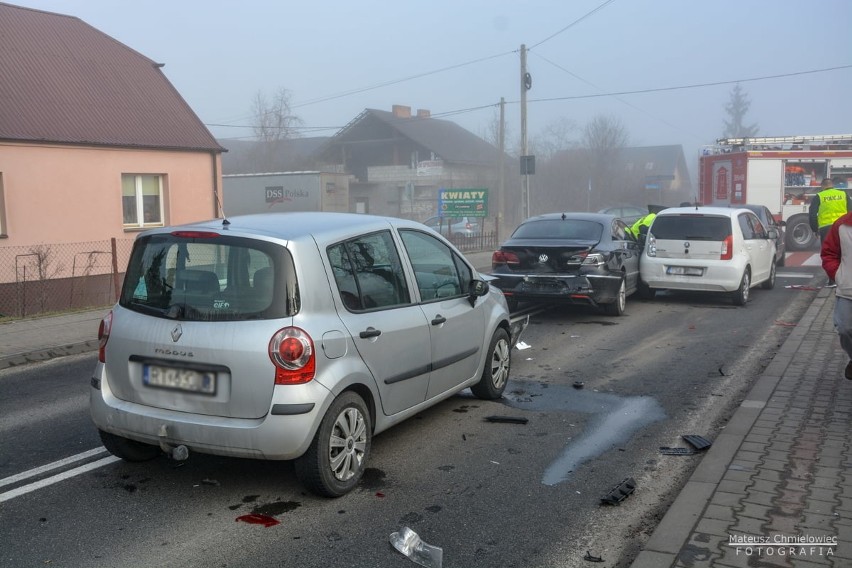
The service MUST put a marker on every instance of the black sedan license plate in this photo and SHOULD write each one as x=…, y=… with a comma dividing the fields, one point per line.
x=189, y=380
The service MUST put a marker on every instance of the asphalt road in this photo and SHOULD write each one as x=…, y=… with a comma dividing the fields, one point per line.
x=488, y=494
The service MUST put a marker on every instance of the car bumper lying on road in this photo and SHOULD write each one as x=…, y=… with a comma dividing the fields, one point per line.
x=580, y=289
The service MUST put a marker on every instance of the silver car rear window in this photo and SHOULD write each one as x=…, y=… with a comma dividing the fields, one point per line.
x=691, y=227
x=210, y=278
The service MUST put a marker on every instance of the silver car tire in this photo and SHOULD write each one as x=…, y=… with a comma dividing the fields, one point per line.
x=128, y=450
x=495, y=375
x=335, y=461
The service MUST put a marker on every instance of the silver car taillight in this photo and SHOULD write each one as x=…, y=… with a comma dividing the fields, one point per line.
x=103, y=336
x=292, y=352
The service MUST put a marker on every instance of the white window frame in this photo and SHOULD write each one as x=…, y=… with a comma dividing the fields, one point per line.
x=140, y=205
x=2, y=209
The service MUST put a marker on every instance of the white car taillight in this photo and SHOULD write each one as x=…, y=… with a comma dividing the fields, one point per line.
x=727, y=248
x=651, y=245
x=103, y=336
x=292, y=352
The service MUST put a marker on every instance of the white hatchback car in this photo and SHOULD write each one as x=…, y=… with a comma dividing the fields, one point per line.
x=712, y=249
x=292, y=336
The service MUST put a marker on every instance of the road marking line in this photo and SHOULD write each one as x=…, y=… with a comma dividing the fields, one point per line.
x=55, y=465
x=57, y=478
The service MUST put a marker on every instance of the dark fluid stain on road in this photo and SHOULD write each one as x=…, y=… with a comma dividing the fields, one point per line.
x=373, y=478
x=615, y=420
x=277, y=508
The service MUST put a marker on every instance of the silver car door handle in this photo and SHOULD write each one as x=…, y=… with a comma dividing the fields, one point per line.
x=439, y=319
x=369, y=332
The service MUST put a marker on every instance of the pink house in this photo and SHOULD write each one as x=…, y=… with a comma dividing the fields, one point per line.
x=95, y=145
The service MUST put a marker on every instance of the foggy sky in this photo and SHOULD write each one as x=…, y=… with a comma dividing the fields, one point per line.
x=220, y=54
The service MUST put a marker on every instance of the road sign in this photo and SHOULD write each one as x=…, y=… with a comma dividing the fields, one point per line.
x=463, y=202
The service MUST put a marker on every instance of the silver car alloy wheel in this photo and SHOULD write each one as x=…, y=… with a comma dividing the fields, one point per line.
x=348, y=444
x=500, y=364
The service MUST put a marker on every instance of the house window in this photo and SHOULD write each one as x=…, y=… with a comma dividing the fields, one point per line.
x=3, y=232
x=142, y=200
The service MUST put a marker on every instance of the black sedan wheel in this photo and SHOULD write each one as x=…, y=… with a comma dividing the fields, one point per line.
x=617, y=307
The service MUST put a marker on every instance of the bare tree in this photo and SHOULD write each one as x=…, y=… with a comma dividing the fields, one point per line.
x=274, y=123
x=736, y=109
x=603, y=138
x=274, y=119
x=558, y=135
x=491, y=132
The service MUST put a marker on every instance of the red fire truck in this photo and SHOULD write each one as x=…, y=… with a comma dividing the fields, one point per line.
x=781, y=173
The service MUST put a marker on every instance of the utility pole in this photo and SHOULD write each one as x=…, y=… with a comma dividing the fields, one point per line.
x=501, y=186
x=526, y=83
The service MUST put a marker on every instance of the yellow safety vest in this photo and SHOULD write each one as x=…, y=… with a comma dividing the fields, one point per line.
x=643, y=222
x=832, y=206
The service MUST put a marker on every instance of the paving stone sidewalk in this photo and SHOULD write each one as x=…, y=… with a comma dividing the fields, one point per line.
x=779, y=472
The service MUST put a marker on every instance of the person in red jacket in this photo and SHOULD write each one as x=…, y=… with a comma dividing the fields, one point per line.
x=836, y=254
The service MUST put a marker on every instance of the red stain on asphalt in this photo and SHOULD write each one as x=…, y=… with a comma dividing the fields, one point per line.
x=258, y=519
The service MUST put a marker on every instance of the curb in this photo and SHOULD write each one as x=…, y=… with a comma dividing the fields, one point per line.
x=47, y=353
x=673, y=531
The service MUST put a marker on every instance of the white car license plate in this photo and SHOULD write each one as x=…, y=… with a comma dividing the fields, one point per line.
x=685, y=271
x=189, y=380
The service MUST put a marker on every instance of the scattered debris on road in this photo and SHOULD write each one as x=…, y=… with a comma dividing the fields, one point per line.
x=620, y=492
x=507, y=419
x=409, y=543
x=589, y=557
x=667, y=451
x=697, y=442
x=700, y=443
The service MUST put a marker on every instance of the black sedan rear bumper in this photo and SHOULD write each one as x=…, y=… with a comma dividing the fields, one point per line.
x=591, y=289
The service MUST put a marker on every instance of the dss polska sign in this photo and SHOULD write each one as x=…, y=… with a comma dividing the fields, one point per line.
x=463, y=202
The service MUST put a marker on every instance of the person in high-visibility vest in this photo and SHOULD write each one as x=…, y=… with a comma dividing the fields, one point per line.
x=826, y=207
x=641, y=226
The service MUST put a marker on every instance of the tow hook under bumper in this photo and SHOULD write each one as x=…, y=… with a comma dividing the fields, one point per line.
x=177, y=453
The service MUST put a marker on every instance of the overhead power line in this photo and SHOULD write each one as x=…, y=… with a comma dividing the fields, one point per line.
x=572, y=24
x=401, y=80
x=693, y=86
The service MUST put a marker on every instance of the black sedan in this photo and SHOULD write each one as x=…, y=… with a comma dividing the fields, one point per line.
x=578, y=258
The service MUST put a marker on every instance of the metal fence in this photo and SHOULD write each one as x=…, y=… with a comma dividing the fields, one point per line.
x=486, y=240
x=59, y=277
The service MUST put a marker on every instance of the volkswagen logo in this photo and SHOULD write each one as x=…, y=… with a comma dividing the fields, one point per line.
x=686, y=244
x=542, y=258
x=176, y=333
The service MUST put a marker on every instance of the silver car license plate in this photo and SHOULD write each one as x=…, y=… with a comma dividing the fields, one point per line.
x=174, y=378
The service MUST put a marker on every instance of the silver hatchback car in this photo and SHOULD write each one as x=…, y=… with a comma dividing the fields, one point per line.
x=292, y=336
